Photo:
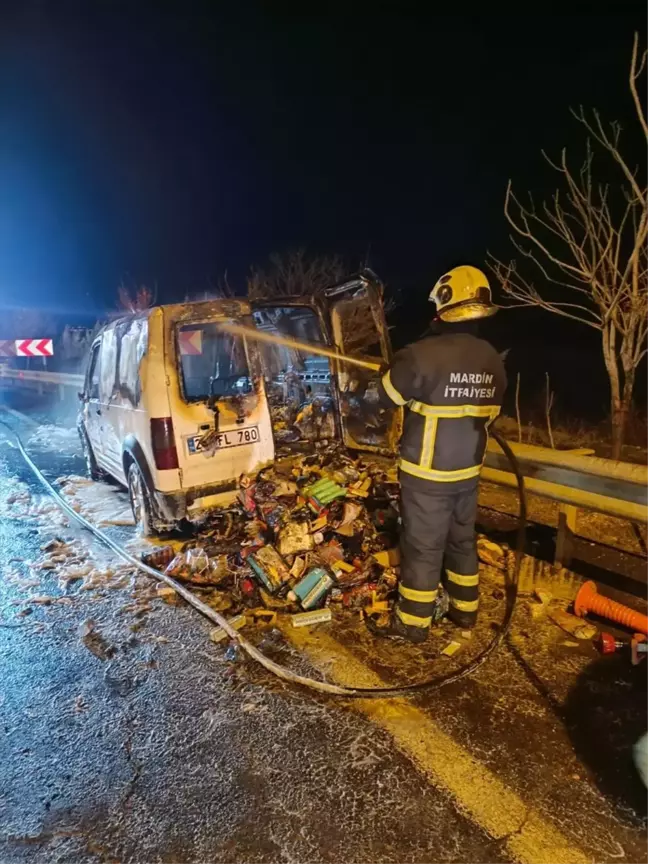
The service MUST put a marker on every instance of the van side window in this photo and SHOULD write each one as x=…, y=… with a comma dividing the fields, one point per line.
x=108, y=365
x=211, y=362
x=133, y=339
x=93, y=374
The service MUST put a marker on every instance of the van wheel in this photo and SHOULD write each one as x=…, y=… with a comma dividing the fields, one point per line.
x=94, y=471
x=140, y=502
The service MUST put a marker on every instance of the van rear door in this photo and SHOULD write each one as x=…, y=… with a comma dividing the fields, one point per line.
x=218, y=404
x=359, y=329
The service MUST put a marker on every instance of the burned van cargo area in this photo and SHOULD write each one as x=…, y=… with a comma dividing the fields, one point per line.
x=300, y=386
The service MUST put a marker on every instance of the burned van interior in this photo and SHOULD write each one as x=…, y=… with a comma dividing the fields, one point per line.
x=311, y=398
x=298, y=384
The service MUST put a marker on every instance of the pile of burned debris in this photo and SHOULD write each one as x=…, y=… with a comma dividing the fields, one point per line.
x=308, y=532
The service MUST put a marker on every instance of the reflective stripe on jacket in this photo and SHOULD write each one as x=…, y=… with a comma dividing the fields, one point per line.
x=452, y=386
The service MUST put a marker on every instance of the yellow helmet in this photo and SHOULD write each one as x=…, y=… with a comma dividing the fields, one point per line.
x=463, y=294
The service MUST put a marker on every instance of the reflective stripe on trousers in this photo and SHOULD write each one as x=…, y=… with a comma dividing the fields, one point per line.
x=463, y=590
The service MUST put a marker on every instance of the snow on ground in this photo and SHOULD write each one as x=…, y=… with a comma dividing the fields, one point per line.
x=59, y=438
x=106, y=505
x=101, y=503
x=66, y=553
x=17, y=502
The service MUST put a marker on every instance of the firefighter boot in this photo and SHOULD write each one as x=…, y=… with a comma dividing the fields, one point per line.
x=396, y=630
x=463, y=620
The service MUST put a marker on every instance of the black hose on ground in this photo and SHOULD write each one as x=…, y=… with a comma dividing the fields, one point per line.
x=511, y=587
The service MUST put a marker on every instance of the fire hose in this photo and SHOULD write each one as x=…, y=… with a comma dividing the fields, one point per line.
x=511, y=589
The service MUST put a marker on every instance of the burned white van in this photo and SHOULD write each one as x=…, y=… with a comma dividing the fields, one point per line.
x=177, y=409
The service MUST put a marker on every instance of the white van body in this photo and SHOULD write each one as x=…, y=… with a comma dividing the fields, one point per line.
x=177, y=409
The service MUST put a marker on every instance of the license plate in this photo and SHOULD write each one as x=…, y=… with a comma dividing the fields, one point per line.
x=231, y=438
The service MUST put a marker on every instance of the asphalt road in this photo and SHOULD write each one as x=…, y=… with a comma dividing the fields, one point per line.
x=166, y=751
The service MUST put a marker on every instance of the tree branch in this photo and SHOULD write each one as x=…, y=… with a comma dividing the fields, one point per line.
x=636, y=68
x=526, y=232
x=515, y=286
x=610, y=143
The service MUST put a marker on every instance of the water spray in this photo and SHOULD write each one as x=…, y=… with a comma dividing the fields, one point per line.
x=274, y=339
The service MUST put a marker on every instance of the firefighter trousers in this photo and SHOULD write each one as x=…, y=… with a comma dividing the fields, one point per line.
x=438, y=535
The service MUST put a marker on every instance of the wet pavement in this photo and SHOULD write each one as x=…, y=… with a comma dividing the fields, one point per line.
x=165, y=751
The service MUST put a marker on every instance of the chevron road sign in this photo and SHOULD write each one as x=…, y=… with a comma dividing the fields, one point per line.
x=34, y=348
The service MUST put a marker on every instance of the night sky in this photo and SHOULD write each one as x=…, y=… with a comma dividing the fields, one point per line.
x=169, y=142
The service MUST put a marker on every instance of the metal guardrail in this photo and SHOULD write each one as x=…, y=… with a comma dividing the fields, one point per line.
x=614, y=488
x=574, y=480
x=28, y=377
x=574, y=460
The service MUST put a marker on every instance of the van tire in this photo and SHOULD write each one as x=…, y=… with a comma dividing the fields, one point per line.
x=94, y=471
x=140, y=502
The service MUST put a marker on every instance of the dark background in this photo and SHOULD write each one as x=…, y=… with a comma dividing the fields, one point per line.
x=168, y=143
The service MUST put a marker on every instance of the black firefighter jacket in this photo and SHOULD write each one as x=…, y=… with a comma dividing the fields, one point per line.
x=452, y=386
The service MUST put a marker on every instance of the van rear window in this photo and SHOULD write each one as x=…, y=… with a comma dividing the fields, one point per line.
x=212, y=363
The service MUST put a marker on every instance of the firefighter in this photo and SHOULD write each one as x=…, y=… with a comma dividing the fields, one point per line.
x=451, y=385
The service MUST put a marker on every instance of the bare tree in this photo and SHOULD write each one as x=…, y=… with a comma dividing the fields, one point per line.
x=295, y=274
x=136, y=299
x=298, y=275
x=588, y=245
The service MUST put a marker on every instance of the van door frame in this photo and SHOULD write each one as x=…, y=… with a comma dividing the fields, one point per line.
x=365, y=284
x=371, y=284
